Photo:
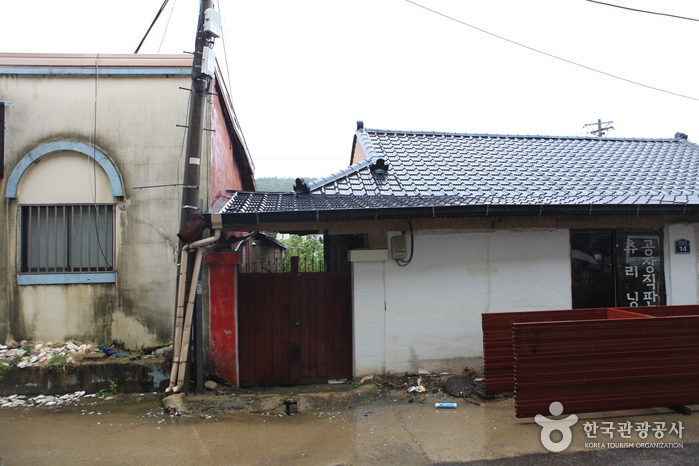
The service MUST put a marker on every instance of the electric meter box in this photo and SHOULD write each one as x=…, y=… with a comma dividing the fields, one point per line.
x=399, y=247
x=208, y=63
x=212, y=22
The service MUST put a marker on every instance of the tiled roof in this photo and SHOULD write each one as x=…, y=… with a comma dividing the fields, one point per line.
x=523, y=169
x=449, y=174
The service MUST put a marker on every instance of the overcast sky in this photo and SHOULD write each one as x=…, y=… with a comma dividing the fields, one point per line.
x=303, y=72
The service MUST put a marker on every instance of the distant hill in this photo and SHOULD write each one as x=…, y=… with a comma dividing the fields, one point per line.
x=283, y=185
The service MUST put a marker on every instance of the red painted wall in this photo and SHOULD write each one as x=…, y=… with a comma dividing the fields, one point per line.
x=224, y=171
x=223, y=314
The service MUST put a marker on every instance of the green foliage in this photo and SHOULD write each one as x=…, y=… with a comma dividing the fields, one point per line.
x=112, y=390
x=309, y=250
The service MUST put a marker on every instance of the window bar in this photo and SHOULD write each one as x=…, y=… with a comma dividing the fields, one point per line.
x=73, y=234
x=27, y=266
x=98, y=240
x=90, y=237
x=102, y=253
x=64, y=242
x=83, y=242
x=44, y=258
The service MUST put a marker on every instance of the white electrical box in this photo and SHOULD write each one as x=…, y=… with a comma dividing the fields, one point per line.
x=208, y=63
x=212, y=22
x=399, y=247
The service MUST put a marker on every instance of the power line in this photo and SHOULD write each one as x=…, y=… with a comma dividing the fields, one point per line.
x=162, y=7
x=172, y=10
x=643, y=11
x=551, y=55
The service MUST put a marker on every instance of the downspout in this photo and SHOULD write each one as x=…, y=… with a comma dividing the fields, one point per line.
x=183, y=318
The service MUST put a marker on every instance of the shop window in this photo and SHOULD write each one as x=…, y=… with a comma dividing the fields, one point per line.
x=622, y=268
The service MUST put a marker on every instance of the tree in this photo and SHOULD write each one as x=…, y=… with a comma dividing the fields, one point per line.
x=310, y=251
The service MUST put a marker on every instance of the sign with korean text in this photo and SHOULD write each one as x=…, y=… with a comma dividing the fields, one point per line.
x=640, y=274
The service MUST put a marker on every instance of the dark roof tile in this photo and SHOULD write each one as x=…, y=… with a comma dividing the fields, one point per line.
x=450, y=169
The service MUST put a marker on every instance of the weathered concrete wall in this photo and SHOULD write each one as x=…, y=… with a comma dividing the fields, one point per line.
x=132, y=120
x=129, y=377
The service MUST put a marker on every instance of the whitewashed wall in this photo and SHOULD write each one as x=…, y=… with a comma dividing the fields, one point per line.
x=681, y=269
x=427, y=315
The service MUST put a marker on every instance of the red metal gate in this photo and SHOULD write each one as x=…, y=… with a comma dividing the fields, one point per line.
x=294, y=327
x=594, y=360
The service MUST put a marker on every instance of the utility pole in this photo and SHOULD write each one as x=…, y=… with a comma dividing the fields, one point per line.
x=600, y=131
x=191, y=225
x=201, y=82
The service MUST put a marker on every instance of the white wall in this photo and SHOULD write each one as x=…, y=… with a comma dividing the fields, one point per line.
x=427, y=315
x=681, y=269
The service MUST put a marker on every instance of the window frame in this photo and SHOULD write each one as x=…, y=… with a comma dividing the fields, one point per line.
x=67, y=267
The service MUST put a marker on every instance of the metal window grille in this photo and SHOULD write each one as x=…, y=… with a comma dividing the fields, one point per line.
x=67, y=238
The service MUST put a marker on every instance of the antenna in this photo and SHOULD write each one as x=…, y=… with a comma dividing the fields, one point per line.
x=601, y=131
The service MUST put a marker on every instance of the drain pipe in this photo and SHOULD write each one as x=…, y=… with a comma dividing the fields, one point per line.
x=183, y=318
x=179, y=318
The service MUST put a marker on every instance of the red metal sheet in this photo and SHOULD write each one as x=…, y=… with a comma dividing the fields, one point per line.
x=498, y=356
x=606, y=365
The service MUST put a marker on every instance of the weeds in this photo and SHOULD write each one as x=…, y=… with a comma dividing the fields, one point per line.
x=112, y=390
x=57, y=361
x=6, y=365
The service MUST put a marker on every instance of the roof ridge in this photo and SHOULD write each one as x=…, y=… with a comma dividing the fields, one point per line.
x=519, y=136
x=369, y=152
x=319, y=183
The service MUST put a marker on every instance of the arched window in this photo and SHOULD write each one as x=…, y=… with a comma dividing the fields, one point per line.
x=66, y=193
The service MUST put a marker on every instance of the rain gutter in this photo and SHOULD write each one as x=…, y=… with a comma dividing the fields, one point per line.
x=457, y=211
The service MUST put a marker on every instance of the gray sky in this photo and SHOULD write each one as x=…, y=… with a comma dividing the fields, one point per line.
x=303, y=72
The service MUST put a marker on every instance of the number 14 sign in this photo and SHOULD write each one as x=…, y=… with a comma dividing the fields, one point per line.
x=682, y=246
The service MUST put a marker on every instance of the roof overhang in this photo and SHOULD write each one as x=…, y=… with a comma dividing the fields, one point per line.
x=235, y=220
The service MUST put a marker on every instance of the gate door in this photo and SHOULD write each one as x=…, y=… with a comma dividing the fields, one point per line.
x=294, y=328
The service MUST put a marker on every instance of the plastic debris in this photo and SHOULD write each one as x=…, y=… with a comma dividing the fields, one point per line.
x=174, y=404
x=445, y=405
x=13, y=401
x=419, y=389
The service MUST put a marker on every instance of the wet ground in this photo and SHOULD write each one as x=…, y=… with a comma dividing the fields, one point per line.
x=376, y=427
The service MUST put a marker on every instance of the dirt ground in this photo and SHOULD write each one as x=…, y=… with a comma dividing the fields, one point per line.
x=409, y=388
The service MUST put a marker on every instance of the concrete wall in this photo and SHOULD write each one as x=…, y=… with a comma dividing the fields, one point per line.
x=427, y=315
x=681, y=272
x=132, y=120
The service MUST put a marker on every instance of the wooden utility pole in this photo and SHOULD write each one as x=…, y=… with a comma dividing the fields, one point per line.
x=601, y=130
x=203, y=65
x=197, y=111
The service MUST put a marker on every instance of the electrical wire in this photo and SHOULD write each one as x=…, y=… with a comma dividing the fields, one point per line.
x=162, y=7
x=167, y=25
x=642, y=11
x=403, y=263
x=93, y=187
x=551, y=55
x=225, y=53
